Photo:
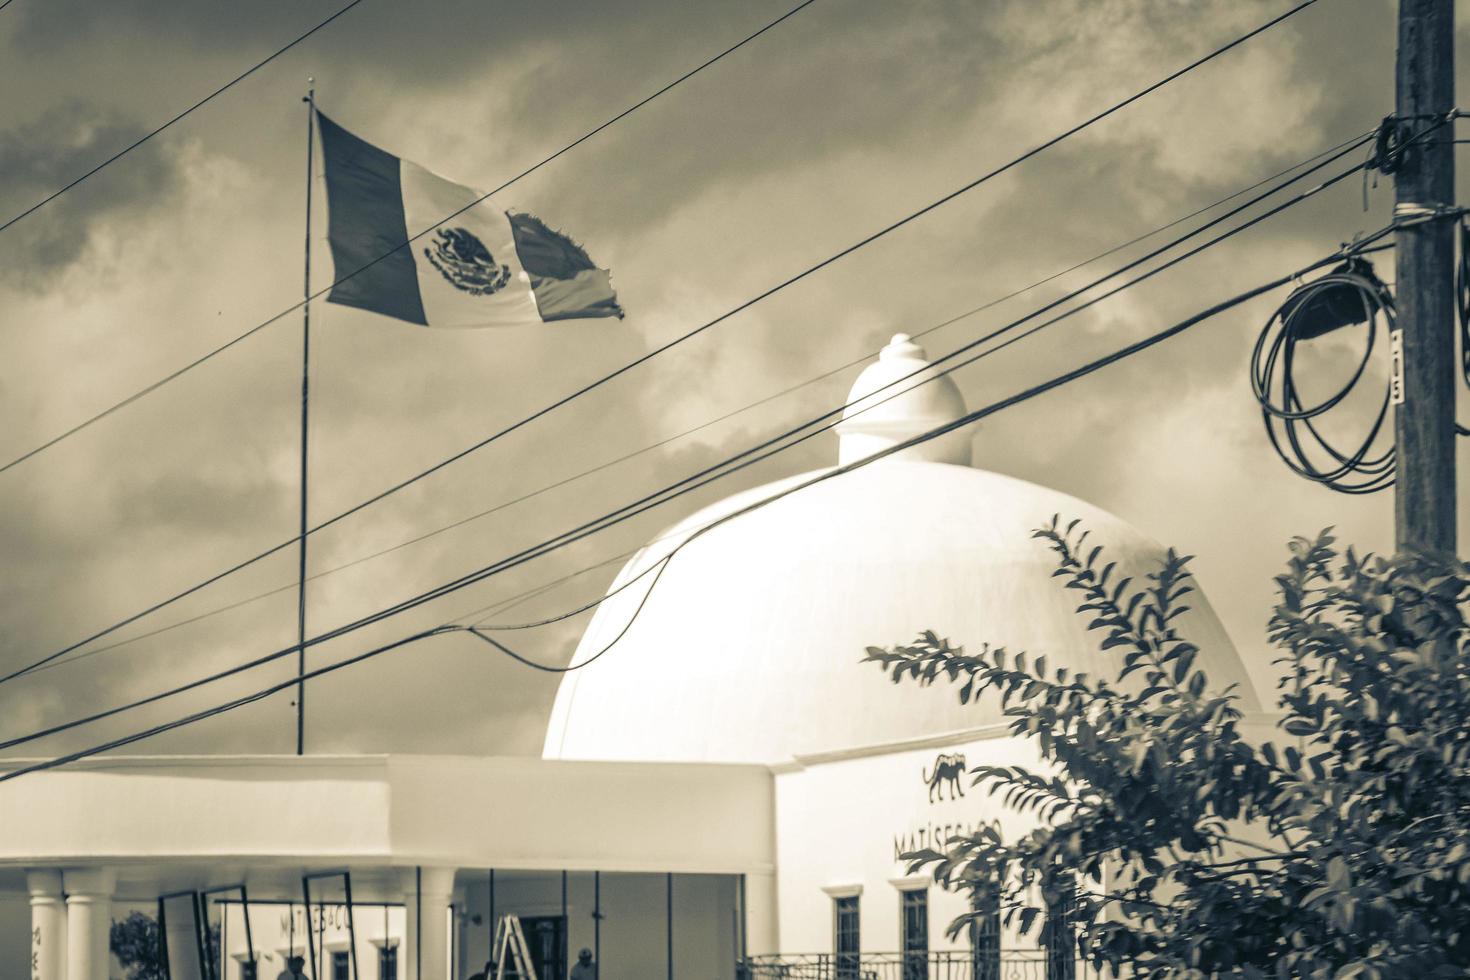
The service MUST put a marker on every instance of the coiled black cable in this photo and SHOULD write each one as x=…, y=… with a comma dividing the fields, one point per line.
x=1349, y=294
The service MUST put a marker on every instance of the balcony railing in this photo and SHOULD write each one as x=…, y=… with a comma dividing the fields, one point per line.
x=945, y=965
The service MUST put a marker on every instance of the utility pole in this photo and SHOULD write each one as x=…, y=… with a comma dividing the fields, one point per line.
x=1424, y=496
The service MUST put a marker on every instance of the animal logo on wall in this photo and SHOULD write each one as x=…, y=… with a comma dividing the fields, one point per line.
x=948, y=770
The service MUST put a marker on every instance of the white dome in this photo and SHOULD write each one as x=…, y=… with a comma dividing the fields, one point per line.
x=748, y=649
x=897, y=397
x=748, y=646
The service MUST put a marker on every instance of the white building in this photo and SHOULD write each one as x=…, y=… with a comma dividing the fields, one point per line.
x=728, y=788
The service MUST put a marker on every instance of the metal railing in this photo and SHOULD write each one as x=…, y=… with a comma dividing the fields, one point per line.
x=939, y=965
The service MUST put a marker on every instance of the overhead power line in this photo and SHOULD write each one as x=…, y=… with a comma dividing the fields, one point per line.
x=497, y=606
x=1350, y=147
x=210, y=355
x=747, y=304
x=154, y=132
x=658, y=568
x=1358, y=249
x=733, y=464
x=775, y=395
x=443, y=629
x=831, y=372
x=686, y=336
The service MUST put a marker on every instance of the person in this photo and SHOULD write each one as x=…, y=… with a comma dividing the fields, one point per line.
x=295, y=969
x=487, y=974
x=584, y=969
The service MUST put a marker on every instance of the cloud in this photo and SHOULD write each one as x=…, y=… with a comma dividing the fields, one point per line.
x=43, y=155
x=836, y=123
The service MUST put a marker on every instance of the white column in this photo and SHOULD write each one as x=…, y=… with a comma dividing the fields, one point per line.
x=48, y=926
x=461, y=933
x=762, y=929
x=88, y=922
x=426, y=895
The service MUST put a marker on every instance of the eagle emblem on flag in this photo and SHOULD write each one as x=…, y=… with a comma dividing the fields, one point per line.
x=464, y=260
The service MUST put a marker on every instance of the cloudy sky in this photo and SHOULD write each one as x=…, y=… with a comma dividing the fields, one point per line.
x=849, y=115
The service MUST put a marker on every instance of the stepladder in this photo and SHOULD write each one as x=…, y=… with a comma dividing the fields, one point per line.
x=512, y=956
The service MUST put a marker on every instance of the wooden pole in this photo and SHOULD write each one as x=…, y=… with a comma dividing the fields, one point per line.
x=310, y=101
x=1424, y=504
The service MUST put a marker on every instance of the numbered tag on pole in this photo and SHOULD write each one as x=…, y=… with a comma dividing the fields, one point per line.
x=1396, y=381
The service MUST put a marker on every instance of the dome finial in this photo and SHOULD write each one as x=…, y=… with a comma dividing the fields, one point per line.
x=902, y=345
x=899, y=397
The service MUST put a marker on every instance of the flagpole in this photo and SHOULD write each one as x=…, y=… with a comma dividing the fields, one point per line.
x=310, y=101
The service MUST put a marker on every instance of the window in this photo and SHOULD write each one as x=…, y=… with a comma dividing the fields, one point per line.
x=1059, y=935
x=546, y=941
x=846, y=938
x=914, y=933
x=387, y=963
x=985, y=941
x=341, y=969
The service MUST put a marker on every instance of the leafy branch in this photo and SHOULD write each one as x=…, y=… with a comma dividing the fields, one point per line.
x=1154, y=799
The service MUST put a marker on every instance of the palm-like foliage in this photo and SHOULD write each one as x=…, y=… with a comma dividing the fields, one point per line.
x=1345, y=854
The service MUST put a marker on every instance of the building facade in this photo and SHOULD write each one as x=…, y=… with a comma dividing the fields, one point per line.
x=726, y=793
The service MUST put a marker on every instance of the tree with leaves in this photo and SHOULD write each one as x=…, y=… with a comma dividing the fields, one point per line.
x=134, y=942
x=1340, y=848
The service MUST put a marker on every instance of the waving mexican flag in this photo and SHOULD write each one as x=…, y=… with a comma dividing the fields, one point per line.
x=479, y=268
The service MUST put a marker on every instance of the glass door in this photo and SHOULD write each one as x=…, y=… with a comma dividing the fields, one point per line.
x=546, y=939
x=846, y=936
x=914, y=909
